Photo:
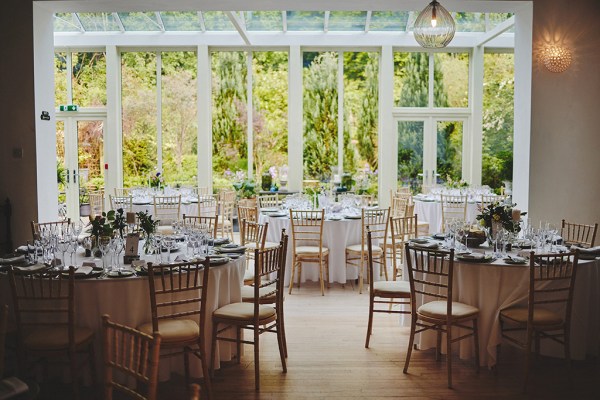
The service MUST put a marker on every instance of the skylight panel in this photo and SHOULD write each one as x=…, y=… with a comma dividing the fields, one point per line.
x=263, y=20
x=180, y=20
x=305, y=20
x=347, y=20
x=139, y=21
x=217, y=21
x=98, y=22
x=65, y=22
x=388, y=21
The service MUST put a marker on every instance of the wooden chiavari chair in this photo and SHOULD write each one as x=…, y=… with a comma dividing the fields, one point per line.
x=578, y=234
x=57, y=226
x=124, y=202
x=453, y=207
x=211, y=222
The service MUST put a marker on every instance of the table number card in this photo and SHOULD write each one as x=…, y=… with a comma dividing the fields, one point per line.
x=132, y=243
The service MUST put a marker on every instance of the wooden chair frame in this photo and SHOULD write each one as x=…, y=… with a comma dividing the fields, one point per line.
x=208, y=206
x=212, y=222
x=384, y=292
x=124, y=202
x=578, y=234
x=45, y=302
x=130, y=353
x=123, y=192
x=430, y=274
x=268, y=201
x=167, y=208
x=453, y=207
x=270, y=269
x=179, y=291
x=253, y=236
x=551, y=282
x=402, y=229
x=226, y=205
x=36, y=227
x=249, y=213
x=307, y=230
x=376, y=220
x=96, y=202
x=487, y=199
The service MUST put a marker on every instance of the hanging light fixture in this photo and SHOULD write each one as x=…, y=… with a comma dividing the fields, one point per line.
x=434, y=27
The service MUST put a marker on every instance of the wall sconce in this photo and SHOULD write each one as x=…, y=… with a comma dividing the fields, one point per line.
x=556, y=58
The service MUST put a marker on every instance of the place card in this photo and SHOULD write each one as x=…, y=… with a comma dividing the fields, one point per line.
x=132, y=243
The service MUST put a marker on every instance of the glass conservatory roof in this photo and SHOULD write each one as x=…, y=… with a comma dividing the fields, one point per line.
x=262, y=21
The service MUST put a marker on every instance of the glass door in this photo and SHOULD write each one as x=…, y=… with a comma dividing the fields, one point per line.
x=80, y=150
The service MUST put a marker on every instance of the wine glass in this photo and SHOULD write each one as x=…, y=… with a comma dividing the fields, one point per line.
x=63, y=245
x=157, y=247
x=460, y=234
x=119, y=246
x=467, y=231
x=169, y=243
x=73, y=245
x=103, y=246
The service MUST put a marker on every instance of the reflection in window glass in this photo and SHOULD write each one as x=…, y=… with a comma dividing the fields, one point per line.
x=469, y=22
x=89, y=79
x=411, y=77
x=139, y=21
x=65, y=22
x=61, y=173
x=229, y=115
x=138, y=97
x=347, y=20
x=449, y=150
x=388, y=21
x=451, y=80
x=179, y=122
x=180, y=21
x=263, y=20
x=320, y=100
x=360, y=118
x=98, y=22
x=90, y=154
x=305, y=20
x=410, y=154
x=270, y=114
x=60, y=79
x=498, y=119
x=217, y=21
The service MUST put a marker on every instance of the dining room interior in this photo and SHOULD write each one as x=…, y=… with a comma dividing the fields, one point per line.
x=402, y=196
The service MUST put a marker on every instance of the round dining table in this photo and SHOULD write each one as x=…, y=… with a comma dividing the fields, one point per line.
x=337, y=235
x=126, y=299
x=430, y=210
x=493, y=286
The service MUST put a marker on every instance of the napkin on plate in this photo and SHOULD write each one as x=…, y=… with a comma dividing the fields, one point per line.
x=33, y=268
x=471, y=256
x=428, y=245
x=84, y=270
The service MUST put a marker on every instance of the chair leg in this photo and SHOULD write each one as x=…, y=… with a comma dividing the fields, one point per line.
x=292, y=278
x=74, y=374
x=370, y=324
x=476, y=340
x=213, y=349
x=321, y=280
x=92, y=361
x=527, y=359
x=567, y=344
x=238, y=338
x=186, y=365
x=281, y=343
x=205, y=372
x=411, y=341
x=438, y=346
x=449, y=354
x=327, y=270
x=384, y=266
x=360, y=273
x=256, y=359
x=281, y=319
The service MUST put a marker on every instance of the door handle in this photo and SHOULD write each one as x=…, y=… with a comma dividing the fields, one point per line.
x=68, y=176
x=74, y=176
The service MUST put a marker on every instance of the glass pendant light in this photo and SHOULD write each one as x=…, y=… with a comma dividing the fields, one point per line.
x=434, y=27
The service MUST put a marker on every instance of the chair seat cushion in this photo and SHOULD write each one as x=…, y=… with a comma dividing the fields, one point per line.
x=541, y=316
x=243, y=312
x=174, y=330
x=268, y=245
x=437, y=309
x=391, y=288
x=225, y=222
x=357, y=248
x=55, y=338
x=248, y=293
x=310, y=250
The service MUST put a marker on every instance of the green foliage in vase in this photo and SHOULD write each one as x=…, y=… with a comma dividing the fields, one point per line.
x=147, y=224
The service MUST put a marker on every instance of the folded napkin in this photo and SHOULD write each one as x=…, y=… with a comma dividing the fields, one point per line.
x=12, y=260
x=84, y=270
x=32, y=268
x=428, y=245
x=471, y=256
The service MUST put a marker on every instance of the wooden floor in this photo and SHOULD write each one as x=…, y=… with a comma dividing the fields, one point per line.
x=328, y=360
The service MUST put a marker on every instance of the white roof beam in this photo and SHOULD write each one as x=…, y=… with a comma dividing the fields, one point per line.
x=368, y=21
x=160, y=21
x=496, y=31
x=202, y=24
x=326, y=22
x=284, y=20
x=239, y=25
x=119, y=21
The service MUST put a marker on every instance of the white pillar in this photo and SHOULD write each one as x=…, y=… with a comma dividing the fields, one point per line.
x=204, y=116
x=295, y=116
x=472, y=158
x=45, y=130
x=113, y=136
x=340, y=124
x=386, y=136
x=522, y=105
x=159, y=146
x=250, y=114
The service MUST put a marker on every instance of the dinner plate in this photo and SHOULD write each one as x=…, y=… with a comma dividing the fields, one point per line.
x=336, y=218
x=120, y=274
x=475, y=257
x=515, y=260
x=236, y=249
x=277, y=214
x=233, y=256
x=349, y=216
x=270, y=210
x=419, y=240
x=12, y=259
x=439, y=236
x=94, y=273
x=219, y=260
x=220, y=241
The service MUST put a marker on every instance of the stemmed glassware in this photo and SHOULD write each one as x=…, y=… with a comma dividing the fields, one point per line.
x=118, y=246
x=460, y=234
x=73, y=245
x=157, y=247
x=103, y=246
x=467, y=231
x=169, y=243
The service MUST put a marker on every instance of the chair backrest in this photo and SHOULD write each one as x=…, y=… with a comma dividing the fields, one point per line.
x=253, y=232
x=96, y=201
x=193, y=221
x=43, y=298
x=430, y=274
x=123, y=192
x=226, y=205
x=551, y=281
x=201, y=191
x=487, y=199
x=268, y=201
x=579, y=234
x=400, y=206
x=453, y=207
x=178, y=291
x=227, y=196
x=3, y=328
x=207, y=205
x=376, y=221
x=167, y=209
x=131, y=353
x=403, y=229
x=269, y=272
x=37, y=228
x=306, y=227
x=248, y=213
x=124, y=202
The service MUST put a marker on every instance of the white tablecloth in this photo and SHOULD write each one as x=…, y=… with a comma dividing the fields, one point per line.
x=431, y=211
x=495, y=286
x=336, y=236
x=127, y=301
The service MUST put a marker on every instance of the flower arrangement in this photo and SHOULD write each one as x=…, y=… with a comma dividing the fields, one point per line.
x=504, y=214
x=107, y=223
x=366, y=181
x=156, y=180
x=245, y=188
x=452, y=184
x=147, y=224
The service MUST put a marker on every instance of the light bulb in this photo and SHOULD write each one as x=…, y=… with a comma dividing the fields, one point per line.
x=433, y=22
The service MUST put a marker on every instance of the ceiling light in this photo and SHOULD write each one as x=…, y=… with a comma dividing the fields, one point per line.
x=434, y=27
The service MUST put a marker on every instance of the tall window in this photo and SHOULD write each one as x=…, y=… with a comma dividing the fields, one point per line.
x=179, y=122
x=138, y=96
x=229, y=115
x=498, y=119
x=89, y=79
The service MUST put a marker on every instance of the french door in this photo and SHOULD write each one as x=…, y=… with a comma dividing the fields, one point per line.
x=429, y=150
x=80, y=164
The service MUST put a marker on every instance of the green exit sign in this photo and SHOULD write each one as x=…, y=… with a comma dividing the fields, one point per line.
x=68, y=107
